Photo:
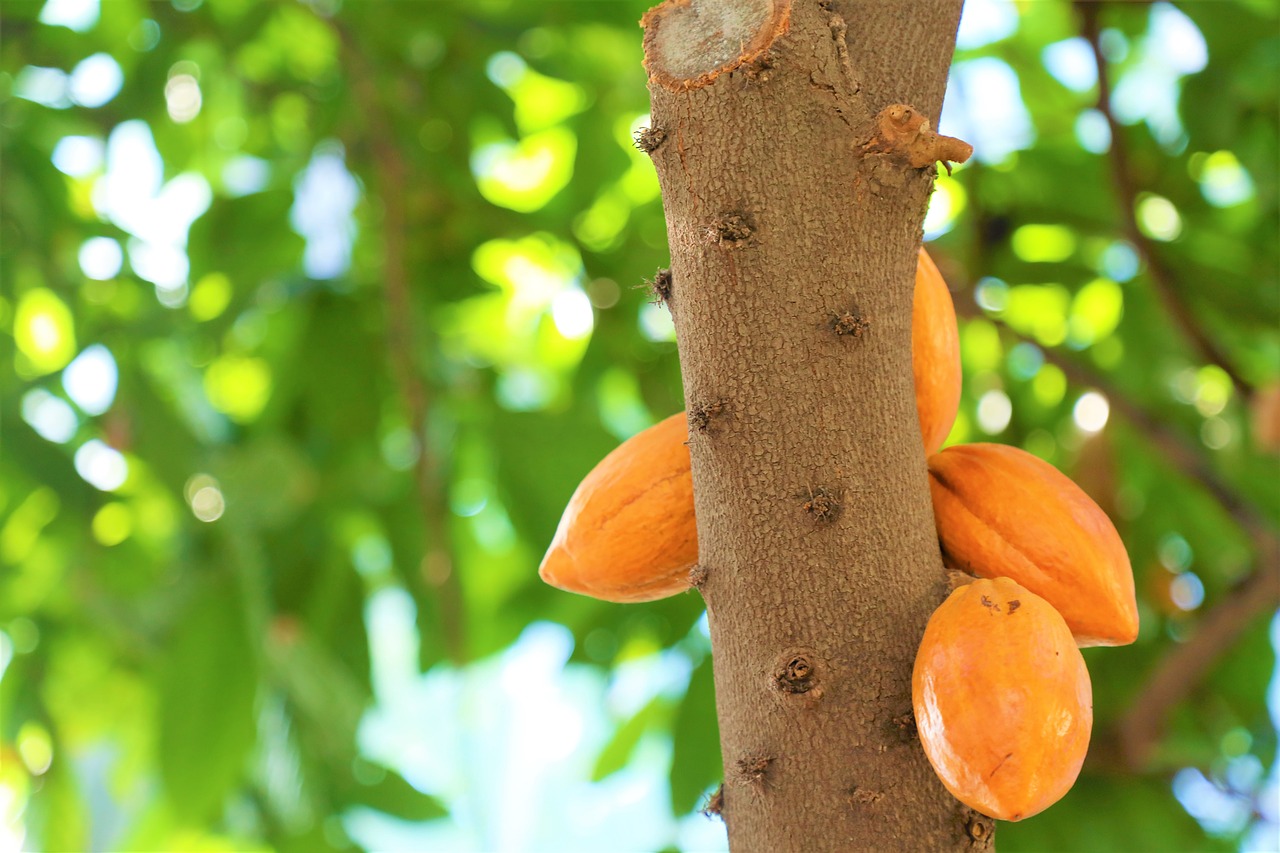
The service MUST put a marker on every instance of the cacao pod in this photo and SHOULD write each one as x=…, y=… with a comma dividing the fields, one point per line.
x=1002, y=699
x=935, y=354
x=1001, y=512
x=628, y=533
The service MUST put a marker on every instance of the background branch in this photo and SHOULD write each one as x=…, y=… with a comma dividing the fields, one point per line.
x=391, y=174
x=1186, y=665
x=1162, y=278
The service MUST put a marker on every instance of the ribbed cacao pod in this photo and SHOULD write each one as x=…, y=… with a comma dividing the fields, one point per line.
x=935, y=354
x=1002, y=699
x=1001, y=512
x=629, y=532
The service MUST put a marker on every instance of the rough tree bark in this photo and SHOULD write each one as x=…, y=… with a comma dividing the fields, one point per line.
x=793, y=224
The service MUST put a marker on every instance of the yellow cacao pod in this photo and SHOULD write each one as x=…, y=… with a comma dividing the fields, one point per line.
x=1001, y=512
x=1002, y=699
x=629, y=532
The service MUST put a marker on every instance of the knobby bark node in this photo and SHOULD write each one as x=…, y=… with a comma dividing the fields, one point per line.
x=698, y=576
x=731, y=231
x=650, y=139
x=715, y=804
x=690, y=43
x=661, y=287
x=979, y=831
x=752, y=771
x=850, y=323
x=759, y=69
x=798, y=675
x=702, y=414
x=903, y=135
x=865, y=796
x=822, y=504
x=905, y=724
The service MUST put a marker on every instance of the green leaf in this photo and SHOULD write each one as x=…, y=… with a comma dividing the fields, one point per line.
x=695, y=755
x=617, y=752
x=208, y=682
x=387, y=791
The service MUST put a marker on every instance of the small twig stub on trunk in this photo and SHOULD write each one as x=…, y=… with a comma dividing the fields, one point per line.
x=904, y=134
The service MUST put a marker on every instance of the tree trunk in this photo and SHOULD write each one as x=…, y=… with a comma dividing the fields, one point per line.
x=793, y=241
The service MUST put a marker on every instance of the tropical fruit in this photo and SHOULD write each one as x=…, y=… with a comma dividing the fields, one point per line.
x=935, y=354
x=629, y=532
x=1002, y=699
x=1001, y=512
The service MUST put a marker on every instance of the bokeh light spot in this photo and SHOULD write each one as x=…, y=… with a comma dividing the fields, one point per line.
x=101, y=466
x=36, y=747
x=112, y=524
x=238, y=386
x=90, y=381
x=1158, y=218
x=182, y=98
x=95, y=80
x=101, y=258
x=1043, y=243
x=78, y=156
x=1223, y=181
x=77, y=15
x=50, y=416
x=207, y=504
x=1091, y=412
x=995, y=410
x=1187, y=591
x=44, y=331
x=210, y=297
x=945, y=206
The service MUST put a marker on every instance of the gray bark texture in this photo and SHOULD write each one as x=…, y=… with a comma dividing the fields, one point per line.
x=793, y=251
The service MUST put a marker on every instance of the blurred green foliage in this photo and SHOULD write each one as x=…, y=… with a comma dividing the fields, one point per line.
x=309, y=302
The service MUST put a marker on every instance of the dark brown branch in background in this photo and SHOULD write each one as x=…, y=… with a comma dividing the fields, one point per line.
x=1220, y=627
x=391, y=175
x=1178, y=673
x=1162, y=278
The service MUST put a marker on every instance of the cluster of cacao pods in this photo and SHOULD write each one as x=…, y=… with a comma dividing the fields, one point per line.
x=1002, y=699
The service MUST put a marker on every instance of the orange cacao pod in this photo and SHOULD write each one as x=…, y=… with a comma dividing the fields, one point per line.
x=1002, y=512
x=629, y=532
x=1002, y=699
x=935, y=354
